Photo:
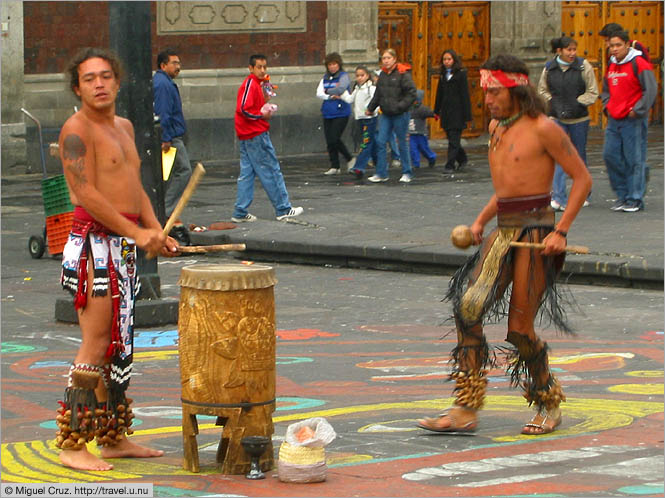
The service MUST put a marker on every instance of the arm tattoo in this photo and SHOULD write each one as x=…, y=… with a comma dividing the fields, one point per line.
x=567, y=146
x=74, y=150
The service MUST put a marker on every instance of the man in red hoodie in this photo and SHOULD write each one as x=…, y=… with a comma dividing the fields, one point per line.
x=629, y=91
x=257, y=154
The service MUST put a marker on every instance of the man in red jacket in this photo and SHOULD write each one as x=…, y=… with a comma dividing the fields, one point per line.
x=609, y=29
x=629, y=91
x=257, y=154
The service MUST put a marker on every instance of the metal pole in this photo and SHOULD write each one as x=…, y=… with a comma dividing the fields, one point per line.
x=130, y=38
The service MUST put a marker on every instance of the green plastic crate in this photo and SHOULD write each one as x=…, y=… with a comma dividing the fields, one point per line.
x=56, y=196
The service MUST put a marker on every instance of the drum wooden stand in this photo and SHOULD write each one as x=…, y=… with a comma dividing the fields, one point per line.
x=226, y=328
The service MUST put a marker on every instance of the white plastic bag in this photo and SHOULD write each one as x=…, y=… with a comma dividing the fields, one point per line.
x=324, y=434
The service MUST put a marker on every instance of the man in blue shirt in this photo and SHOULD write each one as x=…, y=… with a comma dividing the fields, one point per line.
x=168, y=107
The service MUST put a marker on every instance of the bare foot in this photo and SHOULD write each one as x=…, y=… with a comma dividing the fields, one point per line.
x=456, y=419
x=543, y=423
x=83, y=460
x=127, y=449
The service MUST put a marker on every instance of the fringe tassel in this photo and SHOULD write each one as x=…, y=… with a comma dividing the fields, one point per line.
x=81, y=298
x=553, y=303
x=551, y=309
x=480, y=356
x=495, y=306
x=523, y=370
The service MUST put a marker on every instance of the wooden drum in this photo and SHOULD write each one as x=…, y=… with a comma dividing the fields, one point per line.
x=226, y=327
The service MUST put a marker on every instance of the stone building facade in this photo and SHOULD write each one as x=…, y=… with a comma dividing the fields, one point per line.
x=214, y=40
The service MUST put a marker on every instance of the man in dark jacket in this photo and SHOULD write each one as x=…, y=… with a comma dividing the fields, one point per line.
x=168, y=106
x=395, y=93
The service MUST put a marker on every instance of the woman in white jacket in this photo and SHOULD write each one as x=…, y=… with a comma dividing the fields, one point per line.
x=361, y=96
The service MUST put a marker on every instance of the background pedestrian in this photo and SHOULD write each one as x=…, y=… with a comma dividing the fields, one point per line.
x=418, y=143
x=395, y=93
x=168, y=106
x=629, y=91
x=335, y=111
x=257, y=154
x=568, y=85
x=453, y=106
x=362, y=94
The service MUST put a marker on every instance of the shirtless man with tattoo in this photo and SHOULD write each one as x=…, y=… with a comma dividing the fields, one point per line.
x=112, y=216
x=523, y=149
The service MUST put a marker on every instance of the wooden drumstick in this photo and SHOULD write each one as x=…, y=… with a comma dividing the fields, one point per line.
x=536, y=245
x=198, y=172
x=213, y=248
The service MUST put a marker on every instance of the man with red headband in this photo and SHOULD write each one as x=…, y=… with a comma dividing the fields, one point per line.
x=523, y=148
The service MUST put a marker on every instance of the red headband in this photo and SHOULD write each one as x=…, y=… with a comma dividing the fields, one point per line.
x=499, y=79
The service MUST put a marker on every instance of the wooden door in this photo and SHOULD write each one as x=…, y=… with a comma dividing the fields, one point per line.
x=463, y=27
x=582, y=21
x=396, y=22
x=642, y=19
x=420, y=32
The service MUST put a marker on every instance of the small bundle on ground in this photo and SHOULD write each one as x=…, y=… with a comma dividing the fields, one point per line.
x=302, y=456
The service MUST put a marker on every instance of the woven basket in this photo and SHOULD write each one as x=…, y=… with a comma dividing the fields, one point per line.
x=301, y=464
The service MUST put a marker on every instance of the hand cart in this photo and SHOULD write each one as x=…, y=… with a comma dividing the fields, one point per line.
x=58, y=209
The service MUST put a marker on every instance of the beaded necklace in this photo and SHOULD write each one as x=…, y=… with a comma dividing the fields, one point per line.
x=506, y=123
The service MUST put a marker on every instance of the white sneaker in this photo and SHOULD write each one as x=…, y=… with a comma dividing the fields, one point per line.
x=586, y=204
x=377, y=179
x=351, y=164
x=405, y=178
x=247, y=217
x=395, y=163
x=556, y=206
x=332, y=171
x=293, y=212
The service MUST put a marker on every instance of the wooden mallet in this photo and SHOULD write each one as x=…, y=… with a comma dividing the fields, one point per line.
x=197, y=174
x=213, y=248
x=462, y=237
x=538, y=245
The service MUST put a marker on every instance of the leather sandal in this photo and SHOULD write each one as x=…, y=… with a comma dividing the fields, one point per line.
x=431, y=424
x=545, y=429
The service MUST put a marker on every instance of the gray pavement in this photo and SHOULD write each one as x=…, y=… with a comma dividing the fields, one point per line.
x=368, y=350
x=354, y=223
x=407, y=227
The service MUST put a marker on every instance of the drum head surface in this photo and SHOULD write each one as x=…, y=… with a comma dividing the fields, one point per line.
x=227, y=277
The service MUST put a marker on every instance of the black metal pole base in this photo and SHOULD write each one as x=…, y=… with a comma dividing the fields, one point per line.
x=147, y=312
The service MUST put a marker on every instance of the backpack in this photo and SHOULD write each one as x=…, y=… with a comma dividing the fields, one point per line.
x=639, y=46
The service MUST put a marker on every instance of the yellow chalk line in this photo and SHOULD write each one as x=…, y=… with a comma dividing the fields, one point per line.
x=598, y=415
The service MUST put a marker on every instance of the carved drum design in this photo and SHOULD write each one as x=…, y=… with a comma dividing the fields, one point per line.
x=226, y=328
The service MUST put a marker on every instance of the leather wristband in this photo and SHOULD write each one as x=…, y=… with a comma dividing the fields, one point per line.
x=561, y=232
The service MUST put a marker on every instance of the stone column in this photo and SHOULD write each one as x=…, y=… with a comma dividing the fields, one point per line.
x=524, y=29
x=351, y=30
x=13, y=124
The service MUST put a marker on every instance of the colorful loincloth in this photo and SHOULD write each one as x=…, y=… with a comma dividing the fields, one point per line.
x=477, y=289
x=114, y=267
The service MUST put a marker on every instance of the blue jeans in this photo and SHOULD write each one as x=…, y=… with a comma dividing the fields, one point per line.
x=418, y=145
x=258, y=158
x=394, y=151
x=387, y=124
x=624, y=157
x=368, y=144
x=578, y=134
x=179, y=177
